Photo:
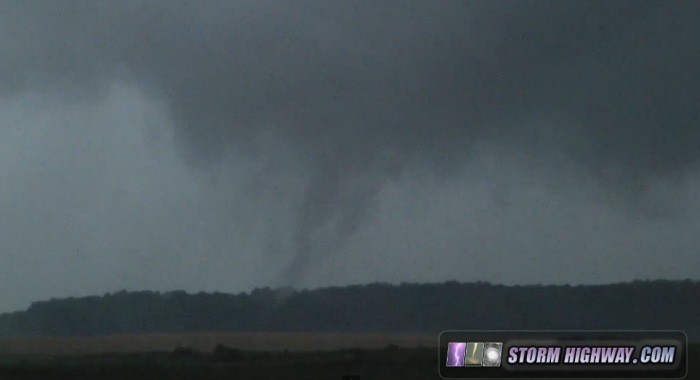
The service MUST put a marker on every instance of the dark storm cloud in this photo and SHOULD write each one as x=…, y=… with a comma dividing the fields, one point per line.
x=410, y=77
x=359, y=92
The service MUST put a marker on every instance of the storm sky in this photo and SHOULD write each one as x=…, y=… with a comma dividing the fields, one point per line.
x=228, y=145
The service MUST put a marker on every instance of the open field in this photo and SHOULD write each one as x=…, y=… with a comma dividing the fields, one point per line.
x=225, y=363
x=387, y=364
x=249, y=356
x=206, y=342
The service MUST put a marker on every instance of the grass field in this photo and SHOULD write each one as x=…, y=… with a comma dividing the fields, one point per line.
x=206, y=342
x=221, y=356
x=252, y=356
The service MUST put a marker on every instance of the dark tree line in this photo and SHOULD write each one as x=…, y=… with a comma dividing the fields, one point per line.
x=426, y=308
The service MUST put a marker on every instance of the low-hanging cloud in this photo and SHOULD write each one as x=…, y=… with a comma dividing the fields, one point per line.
x=327, y=105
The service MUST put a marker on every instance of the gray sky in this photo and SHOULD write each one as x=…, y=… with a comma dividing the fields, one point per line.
x=227, y=145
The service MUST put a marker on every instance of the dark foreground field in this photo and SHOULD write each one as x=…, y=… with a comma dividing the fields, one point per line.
x=391, y=362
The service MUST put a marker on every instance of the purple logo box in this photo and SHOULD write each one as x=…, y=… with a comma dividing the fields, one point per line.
x=455, y=354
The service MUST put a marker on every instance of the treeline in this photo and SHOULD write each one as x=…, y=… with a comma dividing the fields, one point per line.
x=425, y=308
